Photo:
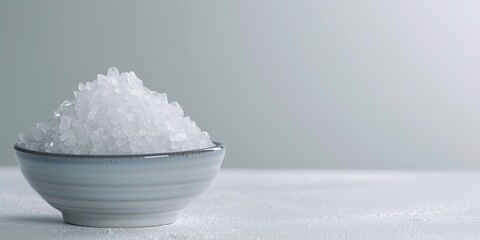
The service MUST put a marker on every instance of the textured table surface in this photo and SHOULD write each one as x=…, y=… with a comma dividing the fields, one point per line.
x=282, y=204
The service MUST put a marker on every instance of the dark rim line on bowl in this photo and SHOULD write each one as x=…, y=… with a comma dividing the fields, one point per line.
x=217, y=147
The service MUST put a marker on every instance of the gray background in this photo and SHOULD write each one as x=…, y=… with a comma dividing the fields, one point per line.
x=331, y=84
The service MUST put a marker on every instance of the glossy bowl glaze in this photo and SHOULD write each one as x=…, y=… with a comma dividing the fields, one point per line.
x=120, y=190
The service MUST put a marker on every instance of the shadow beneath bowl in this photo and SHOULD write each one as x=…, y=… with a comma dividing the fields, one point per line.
x=35, y=219
x=35, y=226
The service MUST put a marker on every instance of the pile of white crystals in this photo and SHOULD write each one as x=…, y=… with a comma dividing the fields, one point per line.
x=116, y=114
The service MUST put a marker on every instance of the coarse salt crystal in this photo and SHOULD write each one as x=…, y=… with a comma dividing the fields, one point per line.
x=116, y=114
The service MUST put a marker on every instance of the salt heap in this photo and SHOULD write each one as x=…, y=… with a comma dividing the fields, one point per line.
x=116, y=114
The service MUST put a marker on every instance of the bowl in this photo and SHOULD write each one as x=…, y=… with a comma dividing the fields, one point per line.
x=135, y=190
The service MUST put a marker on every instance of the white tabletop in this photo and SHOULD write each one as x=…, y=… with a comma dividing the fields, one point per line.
x=282, y=204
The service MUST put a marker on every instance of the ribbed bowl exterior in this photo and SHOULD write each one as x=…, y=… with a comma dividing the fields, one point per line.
x=120, y=192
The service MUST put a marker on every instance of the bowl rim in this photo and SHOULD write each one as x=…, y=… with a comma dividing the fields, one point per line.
x=217, y=146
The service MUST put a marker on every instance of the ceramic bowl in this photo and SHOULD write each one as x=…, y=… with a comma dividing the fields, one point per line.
x=120, y=190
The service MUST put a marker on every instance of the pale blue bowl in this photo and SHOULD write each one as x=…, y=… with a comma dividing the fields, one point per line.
x=120, y=190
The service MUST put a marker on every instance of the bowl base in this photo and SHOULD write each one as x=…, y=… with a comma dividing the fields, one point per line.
x=128, y=220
